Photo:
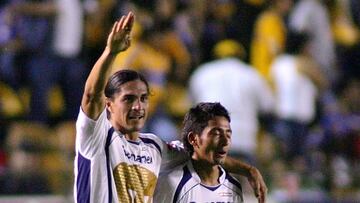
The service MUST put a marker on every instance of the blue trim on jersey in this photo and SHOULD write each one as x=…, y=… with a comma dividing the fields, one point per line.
x=133, y=142
x=83, y=179
x=150, y=141
x=108, y=141
x=186, y=177
x=233, y=181
x=212, y=188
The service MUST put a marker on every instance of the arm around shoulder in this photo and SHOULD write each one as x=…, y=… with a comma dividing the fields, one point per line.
x=251, y=173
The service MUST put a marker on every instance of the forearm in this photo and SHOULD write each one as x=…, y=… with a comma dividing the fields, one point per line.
x=252, y=174
x=118, y=40
x=92, y=102
x=238, y=167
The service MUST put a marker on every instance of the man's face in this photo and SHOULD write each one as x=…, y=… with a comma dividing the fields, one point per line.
x=128, y=110
x=214, y=142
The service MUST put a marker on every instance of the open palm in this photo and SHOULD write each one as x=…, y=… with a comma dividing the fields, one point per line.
x=119, y=37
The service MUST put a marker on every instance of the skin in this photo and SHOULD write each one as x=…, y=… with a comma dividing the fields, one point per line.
x=210, y=149
x=131, y=119
x=93, y=100
x=129, y=108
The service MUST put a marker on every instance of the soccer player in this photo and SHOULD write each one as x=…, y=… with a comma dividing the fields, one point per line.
x=115, y=162
x=207, y=137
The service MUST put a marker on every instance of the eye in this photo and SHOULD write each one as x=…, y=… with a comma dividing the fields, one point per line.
x=216, y=132
x=128, y=99
x=144, y=98
x=228, y=134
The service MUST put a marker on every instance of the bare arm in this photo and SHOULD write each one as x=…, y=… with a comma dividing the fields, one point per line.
x=253, y=175
x=118, y=40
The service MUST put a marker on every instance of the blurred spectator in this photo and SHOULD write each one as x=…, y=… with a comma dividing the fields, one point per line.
x=188, y=23
x=220, y=22
x=347, y=38
x=99, y=16
x=53, y=46
x=168, y=41
x=340, y=118
x=289, y=190
x=310, y=16
x=239, y=88
x=297, y=82
x=269, y=36
x=25, y=179
x=24, y=173
x=10, y=77
x=9, y=45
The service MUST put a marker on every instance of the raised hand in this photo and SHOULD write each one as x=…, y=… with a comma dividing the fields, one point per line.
x=119, y=37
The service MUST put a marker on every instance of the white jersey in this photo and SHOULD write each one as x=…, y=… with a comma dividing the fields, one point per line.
x=109, y=168
x=183, y=185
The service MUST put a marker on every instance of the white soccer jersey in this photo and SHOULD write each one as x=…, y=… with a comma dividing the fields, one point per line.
x=109, y=168
x=183, y=185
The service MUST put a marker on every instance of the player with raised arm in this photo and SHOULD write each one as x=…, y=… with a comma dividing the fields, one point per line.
x=115, y=162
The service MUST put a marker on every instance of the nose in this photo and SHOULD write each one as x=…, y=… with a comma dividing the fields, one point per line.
x=137, y=105
x=225, y=140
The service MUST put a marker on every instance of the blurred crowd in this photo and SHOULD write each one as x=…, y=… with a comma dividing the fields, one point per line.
x=287, y=71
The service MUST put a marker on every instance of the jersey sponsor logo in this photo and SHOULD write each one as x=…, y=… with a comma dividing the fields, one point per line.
x=225, y=194
x=137, y=158
x=134, y=184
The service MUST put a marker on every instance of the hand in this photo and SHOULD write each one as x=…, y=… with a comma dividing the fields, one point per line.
x=119, y=37
x=257, y=183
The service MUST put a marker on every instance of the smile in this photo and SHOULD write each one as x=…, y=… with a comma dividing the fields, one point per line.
x=136, y=117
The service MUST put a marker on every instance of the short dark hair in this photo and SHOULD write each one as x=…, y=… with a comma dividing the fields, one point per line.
x=119, y=78
x=197, y=118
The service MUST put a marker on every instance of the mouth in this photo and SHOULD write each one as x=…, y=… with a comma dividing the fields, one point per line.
x=221, y=153
x=136, y=117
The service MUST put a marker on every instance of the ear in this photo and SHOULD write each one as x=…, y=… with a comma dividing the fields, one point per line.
x=108, y=104
x=193, y=139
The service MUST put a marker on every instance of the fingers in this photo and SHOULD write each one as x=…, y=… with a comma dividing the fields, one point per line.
x=125, y=23
x=113, y=29
x=131, y=20
x=262, y=192
x=257, y=189
x=128, y=23
x=120, y=24
x=119, y=37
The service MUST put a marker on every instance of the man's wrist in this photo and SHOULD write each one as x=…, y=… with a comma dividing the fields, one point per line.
x=109, y=52
x=250, y=168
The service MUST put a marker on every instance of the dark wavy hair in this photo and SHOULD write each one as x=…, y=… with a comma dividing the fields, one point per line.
x=121, y=77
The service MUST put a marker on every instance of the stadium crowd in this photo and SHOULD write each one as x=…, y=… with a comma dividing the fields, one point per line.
x=287, y=71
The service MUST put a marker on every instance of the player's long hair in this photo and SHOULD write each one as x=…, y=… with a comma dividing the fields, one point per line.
x=121, y=77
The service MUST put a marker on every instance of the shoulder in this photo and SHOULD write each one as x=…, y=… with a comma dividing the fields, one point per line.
x=232, y=183
x=174, y=175
x=168, y=185
x=152, y=139
x=83, y=119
